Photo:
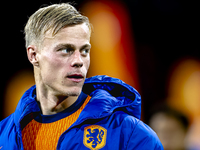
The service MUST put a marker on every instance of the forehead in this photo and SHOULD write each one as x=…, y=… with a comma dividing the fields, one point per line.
x=77, y=35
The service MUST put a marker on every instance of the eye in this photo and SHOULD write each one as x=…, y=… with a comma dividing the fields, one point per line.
x=85, y=51
x=67, y=50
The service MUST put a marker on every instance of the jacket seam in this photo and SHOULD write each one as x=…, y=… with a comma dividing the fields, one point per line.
x=131, y=135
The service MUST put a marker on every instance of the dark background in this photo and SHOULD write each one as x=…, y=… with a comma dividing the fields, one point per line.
x=165, y=31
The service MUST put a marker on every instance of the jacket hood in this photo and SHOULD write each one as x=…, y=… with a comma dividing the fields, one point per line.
x=118, y=94
x=108, y=94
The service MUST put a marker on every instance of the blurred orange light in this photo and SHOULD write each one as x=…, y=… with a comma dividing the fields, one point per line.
x=184, y=87
x=16, y=87
x=112, y=42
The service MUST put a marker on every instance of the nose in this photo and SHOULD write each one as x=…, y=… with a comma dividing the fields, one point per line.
x=77, y=60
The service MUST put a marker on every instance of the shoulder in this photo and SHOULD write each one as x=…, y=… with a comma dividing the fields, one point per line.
x=5, y=121
x=8, y=133
x=141, y=136
x=6, y=125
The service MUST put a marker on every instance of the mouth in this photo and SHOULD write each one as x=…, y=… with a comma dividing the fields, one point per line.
x=75, y=77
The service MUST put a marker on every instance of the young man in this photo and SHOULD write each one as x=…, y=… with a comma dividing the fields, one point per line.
x=65, y=110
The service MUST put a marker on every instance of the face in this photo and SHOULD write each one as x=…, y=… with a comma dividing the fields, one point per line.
x=64, y=59
x=169, y=130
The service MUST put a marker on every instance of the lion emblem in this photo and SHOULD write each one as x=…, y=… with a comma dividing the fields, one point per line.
x=95, y=137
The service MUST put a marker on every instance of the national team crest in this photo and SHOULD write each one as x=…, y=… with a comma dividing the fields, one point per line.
x=94, y=137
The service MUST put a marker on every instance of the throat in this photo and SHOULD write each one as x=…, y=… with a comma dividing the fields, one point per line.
x=56, y=105
x=64, y=103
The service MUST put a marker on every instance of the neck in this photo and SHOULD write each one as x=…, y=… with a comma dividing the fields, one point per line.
x=50, y=101
x=52, y=104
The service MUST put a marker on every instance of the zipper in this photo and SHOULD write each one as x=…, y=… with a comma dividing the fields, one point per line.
x=18, y=126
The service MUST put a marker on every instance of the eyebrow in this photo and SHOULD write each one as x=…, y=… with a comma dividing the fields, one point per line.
x=61, y=46
x=86, y=46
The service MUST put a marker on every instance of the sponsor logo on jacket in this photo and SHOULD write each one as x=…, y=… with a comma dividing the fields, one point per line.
x=94, y=137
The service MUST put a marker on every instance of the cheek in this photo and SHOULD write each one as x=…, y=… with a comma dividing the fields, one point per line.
x=47, y=61
x=87, y=63
x=49, y=65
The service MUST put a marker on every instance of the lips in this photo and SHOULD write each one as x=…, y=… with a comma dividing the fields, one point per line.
x=75, y=77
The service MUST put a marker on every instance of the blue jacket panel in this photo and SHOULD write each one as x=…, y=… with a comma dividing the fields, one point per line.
x=109, y=121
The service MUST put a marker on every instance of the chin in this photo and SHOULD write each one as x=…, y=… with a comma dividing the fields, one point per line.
x=73, y=91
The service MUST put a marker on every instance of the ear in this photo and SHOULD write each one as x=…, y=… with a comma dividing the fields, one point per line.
x=32, y=53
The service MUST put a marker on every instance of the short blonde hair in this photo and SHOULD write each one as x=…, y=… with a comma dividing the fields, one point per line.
x=52, y=18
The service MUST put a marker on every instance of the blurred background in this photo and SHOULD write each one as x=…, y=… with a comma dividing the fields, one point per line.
x=152, y=45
